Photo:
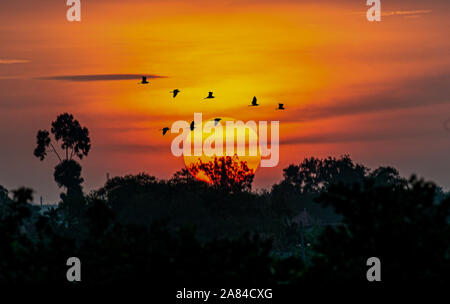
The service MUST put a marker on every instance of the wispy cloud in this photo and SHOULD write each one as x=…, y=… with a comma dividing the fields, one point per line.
x=9, y=77
x=13, y=61
x=406, y=13
x=398, y=13
x=99, y=77
x=133, y=148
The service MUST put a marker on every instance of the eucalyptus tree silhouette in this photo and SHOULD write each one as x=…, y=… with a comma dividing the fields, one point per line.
x=74, y=143
x=67, y=131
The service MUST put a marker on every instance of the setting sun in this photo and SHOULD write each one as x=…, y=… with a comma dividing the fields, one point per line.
x=217, y=139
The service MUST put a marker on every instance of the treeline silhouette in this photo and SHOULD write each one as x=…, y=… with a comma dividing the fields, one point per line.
x=321, y=222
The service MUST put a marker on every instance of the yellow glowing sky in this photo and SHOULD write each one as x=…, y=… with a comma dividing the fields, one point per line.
x=375, y=91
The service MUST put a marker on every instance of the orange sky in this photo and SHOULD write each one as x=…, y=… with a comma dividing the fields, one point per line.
x=376, y=91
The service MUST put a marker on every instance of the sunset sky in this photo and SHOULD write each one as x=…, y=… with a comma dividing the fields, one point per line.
x=377, y=91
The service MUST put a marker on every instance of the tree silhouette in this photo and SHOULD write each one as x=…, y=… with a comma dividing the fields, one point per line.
x=140, y=229
x=74, y=141
x=183, y=176
x=3, y=195
x=99, y=216
x=227, y=174
x=402, y=225
x=72, y=137
x=68, y=174
x=16, y=212
x=314, y=175
x=387, y=176
x=23, y=195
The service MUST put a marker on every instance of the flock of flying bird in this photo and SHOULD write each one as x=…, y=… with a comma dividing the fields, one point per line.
x=210, y=96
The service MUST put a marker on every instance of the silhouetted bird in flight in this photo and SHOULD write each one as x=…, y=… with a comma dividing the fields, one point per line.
x=165, y=130
x=175, y=92
x=254, y=102
x=144, y=80
x=210, y=95
x=280, y=106
x=192, y=125
x=216, y=121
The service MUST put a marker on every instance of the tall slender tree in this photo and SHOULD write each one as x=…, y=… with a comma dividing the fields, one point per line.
x=74, y=142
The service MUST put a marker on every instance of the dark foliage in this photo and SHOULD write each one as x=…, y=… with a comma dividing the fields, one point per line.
x=68, y=174
x=113, y=253
x=43, y=142
x=183, y=200
x=319, y=224
x=400, y=223
x=314, y=174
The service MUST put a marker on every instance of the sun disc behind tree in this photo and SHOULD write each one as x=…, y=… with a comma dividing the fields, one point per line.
x=214, y=135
